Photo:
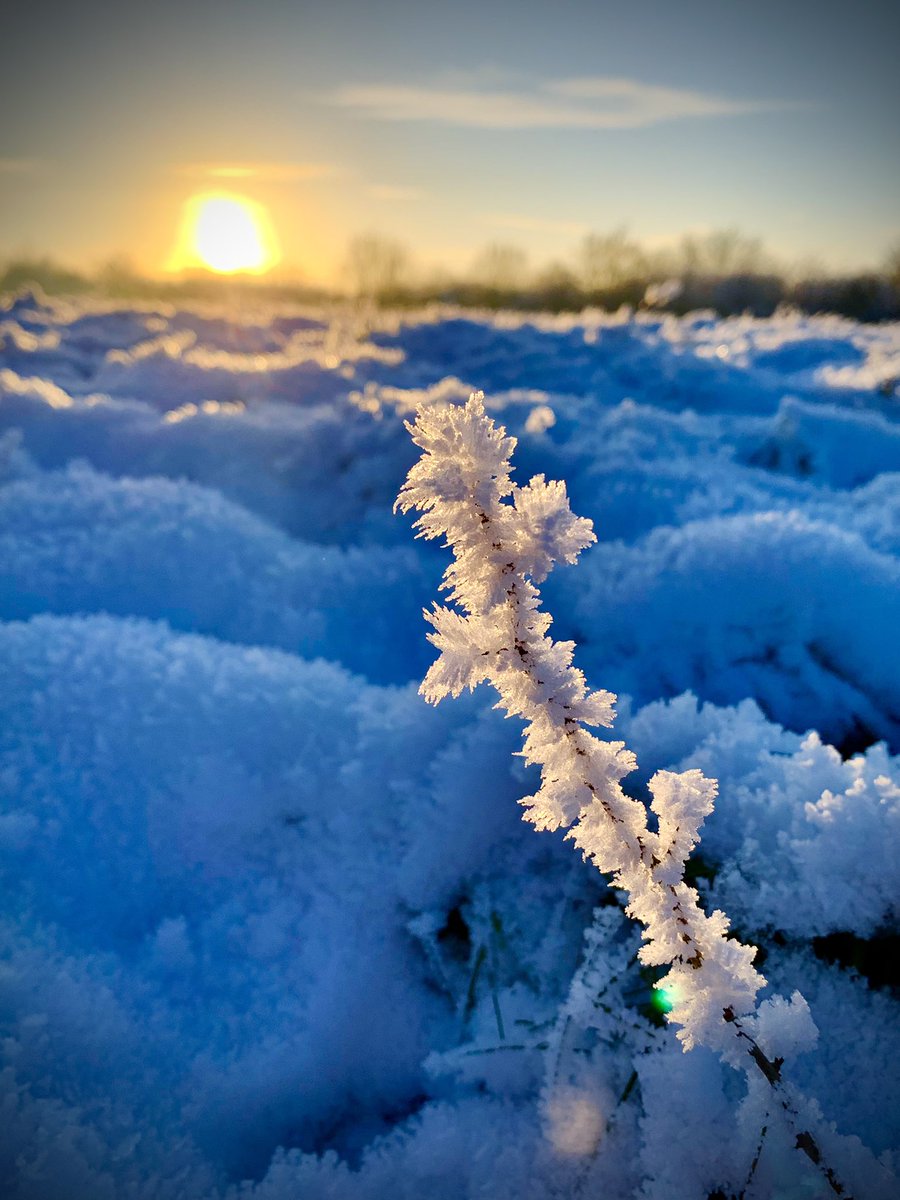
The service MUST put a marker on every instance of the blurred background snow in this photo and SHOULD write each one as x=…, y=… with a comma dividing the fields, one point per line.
x=273, y=927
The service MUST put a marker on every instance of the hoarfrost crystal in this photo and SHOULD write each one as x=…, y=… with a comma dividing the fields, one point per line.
x=505, y=540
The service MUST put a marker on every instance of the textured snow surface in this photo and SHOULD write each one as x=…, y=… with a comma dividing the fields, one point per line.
x=273, y=927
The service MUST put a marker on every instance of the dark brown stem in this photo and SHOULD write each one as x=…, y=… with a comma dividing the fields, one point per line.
x=771, y=1070
x=755, y=1163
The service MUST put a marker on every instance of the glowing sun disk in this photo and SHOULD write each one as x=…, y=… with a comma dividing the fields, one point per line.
x=226, y=233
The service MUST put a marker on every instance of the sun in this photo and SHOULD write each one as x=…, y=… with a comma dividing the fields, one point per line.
x=226, y=233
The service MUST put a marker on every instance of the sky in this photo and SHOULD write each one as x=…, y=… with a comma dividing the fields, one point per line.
x=451, y=125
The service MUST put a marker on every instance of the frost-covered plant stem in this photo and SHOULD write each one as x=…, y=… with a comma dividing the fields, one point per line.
x=505, y=540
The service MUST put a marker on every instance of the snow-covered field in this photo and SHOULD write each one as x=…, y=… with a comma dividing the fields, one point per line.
x=273, y=927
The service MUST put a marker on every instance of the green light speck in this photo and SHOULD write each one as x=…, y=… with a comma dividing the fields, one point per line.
x=663, y=999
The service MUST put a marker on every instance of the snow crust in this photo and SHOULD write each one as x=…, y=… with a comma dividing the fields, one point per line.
x=274, y=926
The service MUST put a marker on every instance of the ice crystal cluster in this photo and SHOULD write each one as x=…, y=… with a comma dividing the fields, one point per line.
x=505, y=540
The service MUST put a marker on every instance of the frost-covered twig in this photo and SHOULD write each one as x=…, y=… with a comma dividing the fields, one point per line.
x=505, y=540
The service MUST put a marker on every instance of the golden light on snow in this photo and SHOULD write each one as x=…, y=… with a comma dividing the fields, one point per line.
x=226, y=233
x=575, y=1120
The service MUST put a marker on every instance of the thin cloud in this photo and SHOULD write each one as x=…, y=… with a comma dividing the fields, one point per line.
x=394, y=193
x=522, y=224
x=583, y=103
x=23, y=166
x=263, y=172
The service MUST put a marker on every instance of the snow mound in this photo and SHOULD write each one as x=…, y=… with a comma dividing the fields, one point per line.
x=275, y=927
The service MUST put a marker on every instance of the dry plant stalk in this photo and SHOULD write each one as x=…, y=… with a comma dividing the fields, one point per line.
x=505, y=540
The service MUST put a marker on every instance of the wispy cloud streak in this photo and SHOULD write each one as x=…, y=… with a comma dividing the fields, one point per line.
x=584, y=103
x=264, y=172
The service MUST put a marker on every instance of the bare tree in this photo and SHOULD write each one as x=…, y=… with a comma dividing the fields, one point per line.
x=556, y=287
x=722, y=252
x=892, y=265
x=608, y=260
x=501, y=267
x=375, y=265
x=118, y=276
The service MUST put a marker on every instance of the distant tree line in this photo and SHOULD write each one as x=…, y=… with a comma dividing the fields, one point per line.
x=724, y=270
x=119, y=279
